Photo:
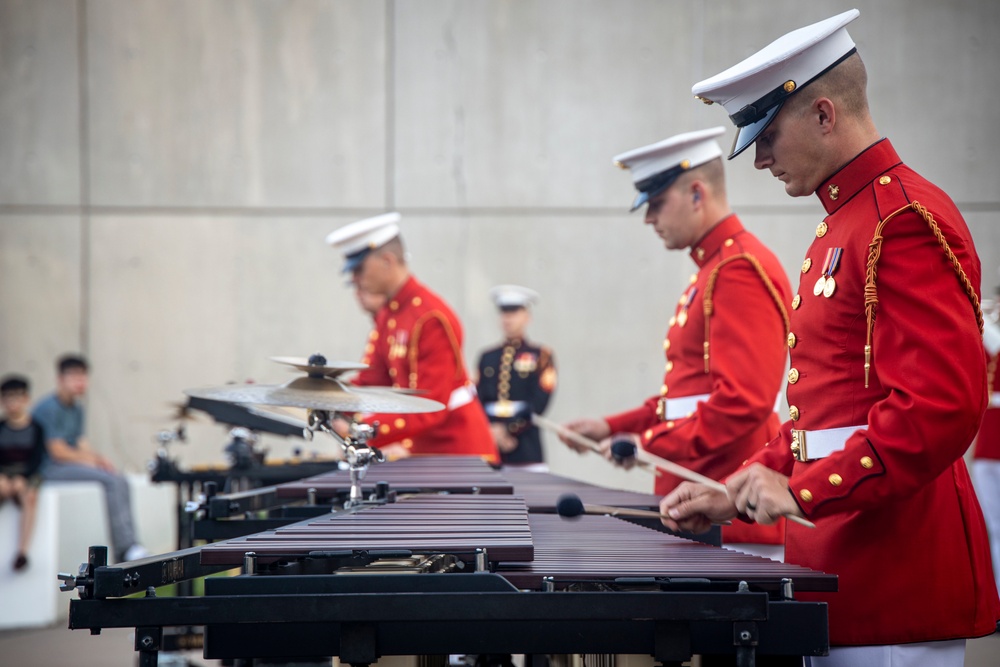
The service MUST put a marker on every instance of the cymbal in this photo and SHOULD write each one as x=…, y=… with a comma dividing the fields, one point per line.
x=176, y=412
x=328, y=369
x=295, y=416
x=319, y=394
x=235, y=414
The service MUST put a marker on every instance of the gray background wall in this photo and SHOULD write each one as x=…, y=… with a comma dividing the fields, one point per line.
x=168, y=171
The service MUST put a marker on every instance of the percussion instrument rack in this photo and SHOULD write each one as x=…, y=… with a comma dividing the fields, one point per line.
x=438, y=574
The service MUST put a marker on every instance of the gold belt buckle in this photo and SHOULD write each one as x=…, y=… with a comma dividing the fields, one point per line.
x=799, y=445
x=661, y=409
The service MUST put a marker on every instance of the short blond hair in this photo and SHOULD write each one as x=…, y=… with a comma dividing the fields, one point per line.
x=846, y=84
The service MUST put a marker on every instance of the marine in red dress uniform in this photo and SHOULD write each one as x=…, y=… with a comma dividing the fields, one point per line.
x=887, y=383
x=712, y=417
x=988, y=439
x=896, y=517
x=725, y=348
x=986, y=453
x=417, y=344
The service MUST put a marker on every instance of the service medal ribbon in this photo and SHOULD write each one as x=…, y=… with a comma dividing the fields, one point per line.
x=833, y=256
x=682, y=317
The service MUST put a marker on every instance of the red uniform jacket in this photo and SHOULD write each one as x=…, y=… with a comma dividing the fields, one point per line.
x=988, y=440
x=896, y=516
x=417, y=343
x=744, y=373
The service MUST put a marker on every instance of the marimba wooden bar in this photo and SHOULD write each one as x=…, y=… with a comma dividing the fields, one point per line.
x=603, y=548
x=541, y=492
x=427, y=474
x=455, y=524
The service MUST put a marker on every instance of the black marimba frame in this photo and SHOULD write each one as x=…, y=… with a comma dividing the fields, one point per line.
x=286, y=607
x=361, y=618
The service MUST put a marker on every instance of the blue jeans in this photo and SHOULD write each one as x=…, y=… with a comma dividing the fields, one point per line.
x=116, y=495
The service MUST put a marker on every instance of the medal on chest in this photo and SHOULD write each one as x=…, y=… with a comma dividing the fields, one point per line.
x=682, y=315
x=525, y=363
x=397, y=348
x=827, y=284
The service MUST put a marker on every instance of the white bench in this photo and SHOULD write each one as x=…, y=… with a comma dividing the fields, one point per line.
x=71, y=518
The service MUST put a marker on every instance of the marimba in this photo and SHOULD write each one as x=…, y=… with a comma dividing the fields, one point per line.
x=433, y=571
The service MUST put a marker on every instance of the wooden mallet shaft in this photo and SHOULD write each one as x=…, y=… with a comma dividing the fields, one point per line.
x=581, y=440
x=570, y=506
x=643, y=456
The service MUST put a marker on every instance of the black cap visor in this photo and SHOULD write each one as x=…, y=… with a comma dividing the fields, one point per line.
x=748, y=134
x=353, y=261
x=656, y=184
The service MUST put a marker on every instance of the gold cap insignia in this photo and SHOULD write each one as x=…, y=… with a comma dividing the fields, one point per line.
x=789, y=86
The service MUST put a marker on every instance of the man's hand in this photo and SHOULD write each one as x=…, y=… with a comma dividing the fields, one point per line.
x=341, y=426
x=505, y=442
x=104, y=463
x=762, y=494
x=693, y=508
x=606, y=452
x=595, y=429
x=394, y=452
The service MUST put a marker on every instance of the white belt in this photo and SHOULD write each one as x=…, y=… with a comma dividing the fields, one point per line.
x=812, y=445
x=505, y=409
x=461, y=396
x=669, y=409
x=995, y=399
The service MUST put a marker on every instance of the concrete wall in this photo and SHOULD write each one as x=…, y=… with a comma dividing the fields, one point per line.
x=168, y=171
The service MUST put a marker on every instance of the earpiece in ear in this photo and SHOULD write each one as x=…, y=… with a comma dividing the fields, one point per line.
x=697, y=196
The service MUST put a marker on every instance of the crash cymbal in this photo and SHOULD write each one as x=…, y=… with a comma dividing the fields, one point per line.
x=176, y=412
x=298, y=417
x=235, y=414
x=314, y=393
x=320, y=365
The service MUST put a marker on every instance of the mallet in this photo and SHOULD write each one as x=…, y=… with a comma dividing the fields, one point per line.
x=642, y=456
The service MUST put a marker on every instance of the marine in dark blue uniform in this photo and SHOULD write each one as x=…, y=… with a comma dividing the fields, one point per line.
x=515, y=380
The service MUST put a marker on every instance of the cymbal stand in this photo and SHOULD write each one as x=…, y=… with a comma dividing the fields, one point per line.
x=357, y=453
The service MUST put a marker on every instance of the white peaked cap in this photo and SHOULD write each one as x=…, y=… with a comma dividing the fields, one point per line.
x=513, y=296
x=655, y=167
x=753, y=91
x=359, y=238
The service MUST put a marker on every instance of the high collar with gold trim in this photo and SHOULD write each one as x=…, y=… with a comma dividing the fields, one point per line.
x=411, y=288
x=853, y=177
x=703, y=250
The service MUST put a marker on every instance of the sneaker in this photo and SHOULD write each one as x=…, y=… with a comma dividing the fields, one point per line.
x=135, y=552
x=20, y=562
